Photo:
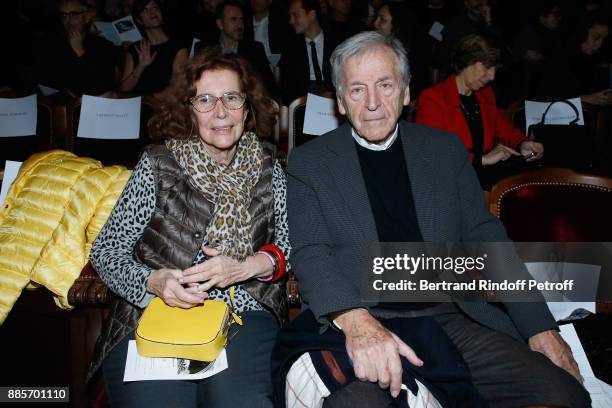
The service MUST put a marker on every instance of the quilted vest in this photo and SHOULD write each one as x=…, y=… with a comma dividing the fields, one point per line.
x=175, y=233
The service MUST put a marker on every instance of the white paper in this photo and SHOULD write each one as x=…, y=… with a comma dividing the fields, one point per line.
x=18, y=116
x=193, y=43
x=320, y=116
x=561, y=306
x=105, y=118
x=274, y=59
x=11, y=168
x=108, y=31
x=606, y=387
x=119, y=31
x=600, y=395
x=436, y=30
x=559, y=114
x=139, y=368
x=47, y=90
x=571, y=310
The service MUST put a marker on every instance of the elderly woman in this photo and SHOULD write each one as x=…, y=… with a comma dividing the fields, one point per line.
x=211, y=191
x=464, y=104
x=151, y=63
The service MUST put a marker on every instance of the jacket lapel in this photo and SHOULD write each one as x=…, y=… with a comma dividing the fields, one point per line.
x=419, y=161
x=456, y=116
x=346, y=173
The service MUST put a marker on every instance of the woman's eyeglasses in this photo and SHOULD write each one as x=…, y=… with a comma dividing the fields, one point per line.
x=206, y=103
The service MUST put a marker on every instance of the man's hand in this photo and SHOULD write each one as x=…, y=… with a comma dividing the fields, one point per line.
x=551, y=344
x=374, y=350
x=165, y=285
x=601, y=98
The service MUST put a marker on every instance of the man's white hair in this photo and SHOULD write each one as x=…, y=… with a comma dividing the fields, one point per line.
x=360, y=44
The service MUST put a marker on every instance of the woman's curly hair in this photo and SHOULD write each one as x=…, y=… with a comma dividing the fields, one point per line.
x=176, y=120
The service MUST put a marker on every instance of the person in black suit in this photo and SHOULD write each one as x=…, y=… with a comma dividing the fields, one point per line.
x=268, y=25
x=204, y=26
x=230, y=22
x=342, y=24
x=298, y=73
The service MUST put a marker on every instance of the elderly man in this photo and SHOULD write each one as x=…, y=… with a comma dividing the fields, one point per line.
x=378, y=178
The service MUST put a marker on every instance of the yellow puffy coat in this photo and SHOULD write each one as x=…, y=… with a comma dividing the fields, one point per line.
x=52, y=213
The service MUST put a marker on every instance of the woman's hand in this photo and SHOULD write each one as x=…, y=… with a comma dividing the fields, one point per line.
x=145, y=58
x=601, y=98
x=499, y=153
x=221, y=271
x=164, y=283
x=531, y=150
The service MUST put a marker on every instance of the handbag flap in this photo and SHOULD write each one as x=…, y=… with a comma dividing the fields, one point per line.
x=174, y=325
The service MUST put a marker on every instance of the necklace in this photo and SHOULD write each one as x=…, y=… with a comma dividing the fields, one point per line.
x=473, y=112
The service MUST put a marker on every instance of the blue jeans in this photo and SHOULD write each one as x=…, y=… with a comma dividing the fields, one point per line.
x=247, y=380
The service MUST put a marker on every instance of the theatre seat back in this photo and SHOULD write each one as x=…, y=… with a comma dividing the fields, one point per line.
x=109, y=151
x=554, y=205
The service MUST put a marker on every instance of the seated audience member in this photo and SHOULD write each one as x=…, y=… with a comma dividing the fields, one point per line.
x=373, y=6
x=464, y=104
x=534, y=45
x=74, y=59
x=536, y=42
x=304, y=66
x=397, y=19
x=230, y=21
x=151, y=63
x=210, y=192
x=437, y=10
x=268, y=25
x=205, y=23
x=476, y=20
x=574, y=71
x=341, y=198
x=341, y=24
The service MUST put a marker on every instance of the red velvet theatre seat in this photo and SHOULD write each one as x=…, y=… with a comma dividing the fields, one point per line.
x=555, y=205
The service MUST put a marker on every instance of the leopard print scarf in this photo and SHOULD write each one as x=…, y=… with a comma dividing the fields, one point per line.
x=227, y=187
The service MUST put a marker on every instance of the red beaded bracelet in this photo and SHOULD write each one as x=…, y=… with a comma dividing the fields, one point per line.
x=281, y=263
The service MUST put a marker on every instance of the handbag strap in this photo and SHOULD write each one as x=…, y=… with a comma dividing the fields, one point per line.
x=235, y=315
x=573, y=122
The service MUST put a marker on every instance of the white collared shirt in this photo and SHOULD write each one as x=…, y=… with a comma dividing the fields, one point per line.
x=319, y=40
x=227, y=50
x=371, y=146
x=260, y=33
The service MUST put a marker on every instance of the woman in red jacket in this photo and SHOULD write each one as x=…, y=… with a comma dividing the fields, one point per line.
x=464, y=104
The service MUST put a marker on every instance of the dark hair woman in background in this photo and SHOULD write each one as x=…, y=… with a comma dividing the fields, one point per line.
x=151, y=64
x=575, y=71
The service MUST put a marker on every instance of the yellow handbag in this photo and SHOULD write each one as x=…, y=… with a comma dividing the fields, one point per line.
x=199, y=333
